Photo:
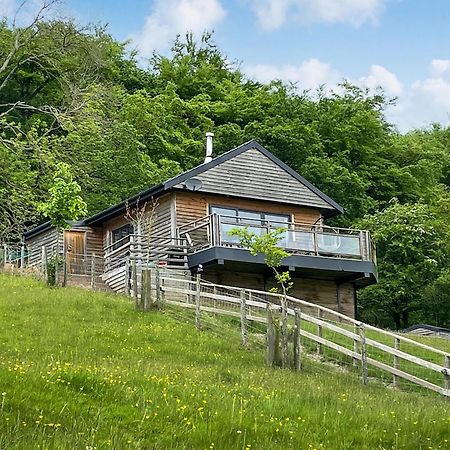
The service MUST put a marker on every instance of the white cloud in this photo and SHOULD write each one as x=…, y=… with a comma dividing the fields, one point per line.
x=381, y=77
x=310, y=74
x=419, y=103
x=272, y=14
x=172, y=17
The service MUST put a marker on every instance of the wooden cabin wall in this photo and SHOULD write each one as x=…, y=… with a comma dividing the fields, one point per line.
x=328, y=293
x=161, y=227
x=192, y=206
x=94, y=240
x=47, y=239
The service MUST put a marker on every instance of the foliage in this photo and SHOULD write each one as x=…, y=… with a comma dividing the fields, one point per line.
x=65, y=202
x=266, y=244
x=71, y=358
x=413, y=245
x=53, y=264
x=73, y=94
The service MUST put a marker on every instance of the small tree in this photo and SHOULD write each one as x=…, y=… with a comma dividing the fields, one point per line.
x=266, y=244
x=65, y=202
x=63, y=205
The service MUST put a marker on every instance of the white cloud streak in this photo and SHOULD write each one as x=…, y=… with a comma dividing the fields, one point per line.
x=171, y=17
x=272, y=14
x=419, y=103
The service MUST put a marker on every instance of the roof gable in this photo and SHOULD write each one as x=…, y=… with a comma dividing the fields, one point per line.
x=251, y=171
x=305, y=190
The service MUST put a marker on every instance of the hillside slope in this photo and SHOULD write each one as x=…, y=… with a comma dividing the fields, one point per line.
x=83, y=370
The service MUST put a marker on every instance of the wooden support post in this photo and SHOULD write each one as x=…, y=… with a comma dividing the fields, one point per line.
x=297, y=339
x=319, y=332
x=5, y=254
x=64, y=267
x=284, y=333
x=198, y=320
x=362, y=335
x=447, y=374
x=355, y=345
x=134, y=277
x=396, y=362
x=244, y=332
x=158, y=288
x=93, y=271
x=22, y=256
x=146, y=290
x=127, y=277
x=44, y=263
x=271, y=338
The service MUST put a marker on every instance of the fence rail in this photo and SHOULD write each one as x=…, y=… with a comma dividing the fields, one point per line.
x=301, y=325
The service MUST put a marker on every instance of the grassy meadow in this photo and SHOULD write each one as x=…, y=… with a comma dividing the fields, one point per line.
x=83, y=370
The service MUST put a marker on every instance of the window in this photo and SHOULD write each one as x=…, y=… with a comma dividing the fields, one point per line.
x=255, y=221
x=119, y=234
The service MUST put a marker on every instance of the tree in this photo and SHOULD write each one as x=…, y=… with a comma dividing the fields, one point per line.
x=65, y=203
x=267, y=244
x=413, y=245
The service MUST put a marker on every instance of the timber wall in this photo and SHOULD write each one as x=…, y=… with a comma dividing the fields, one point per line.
x=192, y=206
x=328, y=293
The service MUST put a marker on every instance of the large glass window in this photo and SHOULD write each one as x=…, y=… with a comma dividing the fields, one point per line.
x=255, y=221
x=118, y=235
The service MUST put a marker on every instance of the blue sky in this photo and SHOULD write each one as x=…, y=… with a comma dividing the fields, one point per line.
x=401, y=45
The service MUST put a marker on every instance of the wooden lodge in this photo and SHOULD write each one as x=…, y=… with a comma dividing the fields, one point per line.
x=191, y=216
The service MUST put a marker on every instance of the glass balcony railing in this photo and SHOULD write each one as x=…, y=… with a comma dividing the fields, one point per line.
x=214, y=230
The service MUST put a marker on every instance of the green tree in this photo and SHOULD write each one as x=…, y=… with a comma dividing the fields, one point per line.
x=65, y=203
x=413, y=245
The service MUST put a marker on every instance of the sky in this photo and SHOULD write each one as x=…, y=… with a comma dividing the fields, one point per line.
x=401, y=45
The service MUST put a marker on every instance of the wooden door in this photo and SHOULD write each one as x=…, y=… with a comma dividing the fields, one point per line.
x=74, y=244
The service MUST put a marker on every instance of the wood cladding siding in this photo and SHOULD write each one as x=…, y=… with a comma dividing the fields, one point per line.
x=94, y=241
x=162, y=219
x=339, y=297
x=47, y=239
x=252, y=175
x=192, y=206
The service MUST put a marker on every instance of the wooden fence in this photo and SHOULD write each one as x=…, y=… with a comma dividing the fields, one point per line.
x=293, y=327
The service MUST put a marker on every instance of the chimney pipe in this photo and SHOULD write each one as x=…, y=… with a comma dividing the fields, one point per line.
x=209, y=147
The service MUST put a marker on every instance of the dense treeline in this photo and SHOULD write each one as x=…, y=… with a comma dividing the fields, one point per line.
x=74, y=95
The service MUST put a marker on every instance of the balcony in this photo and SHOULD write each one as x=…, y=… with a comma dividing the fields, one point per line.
x=315, y=250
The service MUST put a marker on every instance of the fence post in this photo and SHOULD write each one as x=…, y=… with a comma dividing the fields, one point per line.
x=362, y=335
x=244, y=333
x=158, y=288
x=396, y=361
x=284, y=333
x=447, y=373
x=44, y=263
x=146, y=292
x=297, y=339
x=127, y=276
x=355, y=345
x=93, y=271
x=5, y=254
x=135, y=284
x=198, y=321
x=271, y=338
x=319, y=332
x=64, y=280
x=22, y=256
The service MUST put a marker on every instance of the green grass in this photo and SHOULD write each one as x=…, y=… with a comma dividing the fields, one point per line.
x=82, y=370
